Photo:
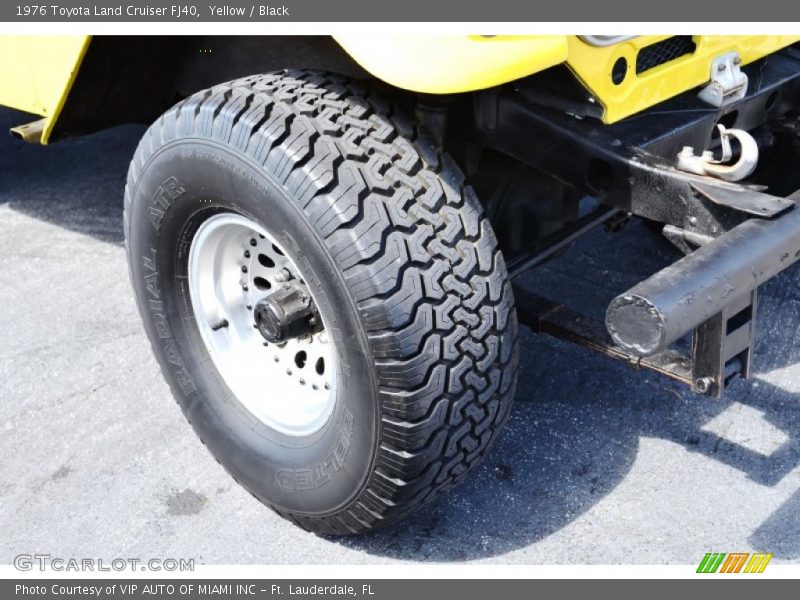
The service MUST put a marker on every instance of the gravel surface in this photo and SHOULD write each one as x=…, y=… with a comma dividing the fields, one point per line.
x=598, y=463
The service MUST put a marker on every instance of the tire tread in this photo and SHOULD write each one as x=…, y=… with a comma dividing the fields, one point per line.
x=417, y=252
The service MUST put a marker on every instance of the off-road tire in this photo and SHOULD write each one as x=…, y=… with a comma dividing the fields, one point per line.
x=407, y=261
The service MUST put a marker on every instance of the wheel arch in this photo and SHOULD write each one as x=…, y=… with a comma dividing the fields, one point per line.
x=450, y=64
x=134, y=79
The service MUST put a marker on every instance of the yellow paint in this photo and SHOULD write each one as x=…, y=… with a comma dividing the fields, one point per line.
x=593, y=67
x=450, y=64
x=447, y=64
x=36, y=73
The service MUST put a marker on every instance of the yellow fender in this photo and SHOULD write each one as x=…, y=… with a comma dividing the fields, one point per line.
x=450, y=64
x=37, y=72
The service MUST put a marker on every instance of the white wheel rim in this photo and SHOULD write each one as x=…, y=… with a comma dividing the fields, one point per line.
x=233, y=263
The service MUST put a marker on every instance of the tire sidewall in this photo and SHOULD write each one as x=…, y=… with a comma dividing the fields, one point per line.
x=183, y=183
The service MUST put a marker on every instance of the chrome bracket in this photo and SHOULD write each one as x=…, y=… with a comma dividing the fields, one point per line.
x=728, y=82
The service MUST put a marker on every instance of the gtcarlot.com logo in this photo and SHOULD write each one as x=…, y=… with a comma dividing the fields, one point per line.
x=734, y=562
x=43, y=562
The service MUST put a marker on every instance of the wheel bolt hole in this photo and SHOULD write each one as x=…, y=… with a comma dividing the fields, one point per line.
x=319, y=367
x=300, y=359
x=266, y=261
x=262, y=283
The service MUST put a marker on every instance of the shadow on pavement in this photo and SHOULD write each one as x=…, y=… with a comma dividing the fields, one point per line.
x=77, y=184
x=780, y=534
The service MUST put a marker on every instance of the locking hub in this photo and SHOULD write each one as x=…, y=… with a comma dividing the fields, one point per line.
x=287, y=313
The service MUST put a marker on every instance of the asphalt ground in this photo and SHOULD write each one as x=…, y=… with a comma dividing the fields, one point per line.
x=598, y=463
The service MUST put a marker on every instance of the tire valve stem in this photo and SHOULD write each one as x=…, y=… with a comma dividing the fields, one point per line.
x=219, y=325
x=283, y=275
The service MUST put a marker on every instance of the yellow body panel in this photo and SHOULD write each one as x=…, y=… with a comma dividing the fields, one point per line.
x=36, y=73
x=593, y=67
x=447, y=64
x=450, y=64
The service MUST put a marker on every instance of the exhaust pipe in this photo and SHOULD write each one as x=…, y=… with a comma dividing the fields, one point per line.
x=660, y=310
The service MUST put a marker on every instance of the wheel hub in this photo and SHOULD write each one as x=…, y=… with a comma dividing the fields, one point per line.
x=287, y=313
x=260, y=325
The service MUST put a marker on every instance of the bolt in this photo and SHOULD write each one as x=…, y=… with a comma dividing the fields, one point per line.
x=247, y=253
x=244, y=287
x=314, y=386
x=288, y=371
x=276, y=358
x=219, y=325
x=737, y=60
x=302, y=381
x=327, y=386
x=703, y=384
x=283, y=275
x=721, y=67
x=253, y=241
x=244, y=268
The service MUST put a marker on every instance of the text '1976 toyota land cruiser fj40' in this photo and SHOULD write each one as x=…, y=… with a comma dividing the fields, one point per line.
x=323, y=248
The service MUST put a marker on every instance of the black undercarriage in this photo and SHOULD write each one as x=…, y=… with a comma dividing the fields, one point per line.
x=533, y=162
